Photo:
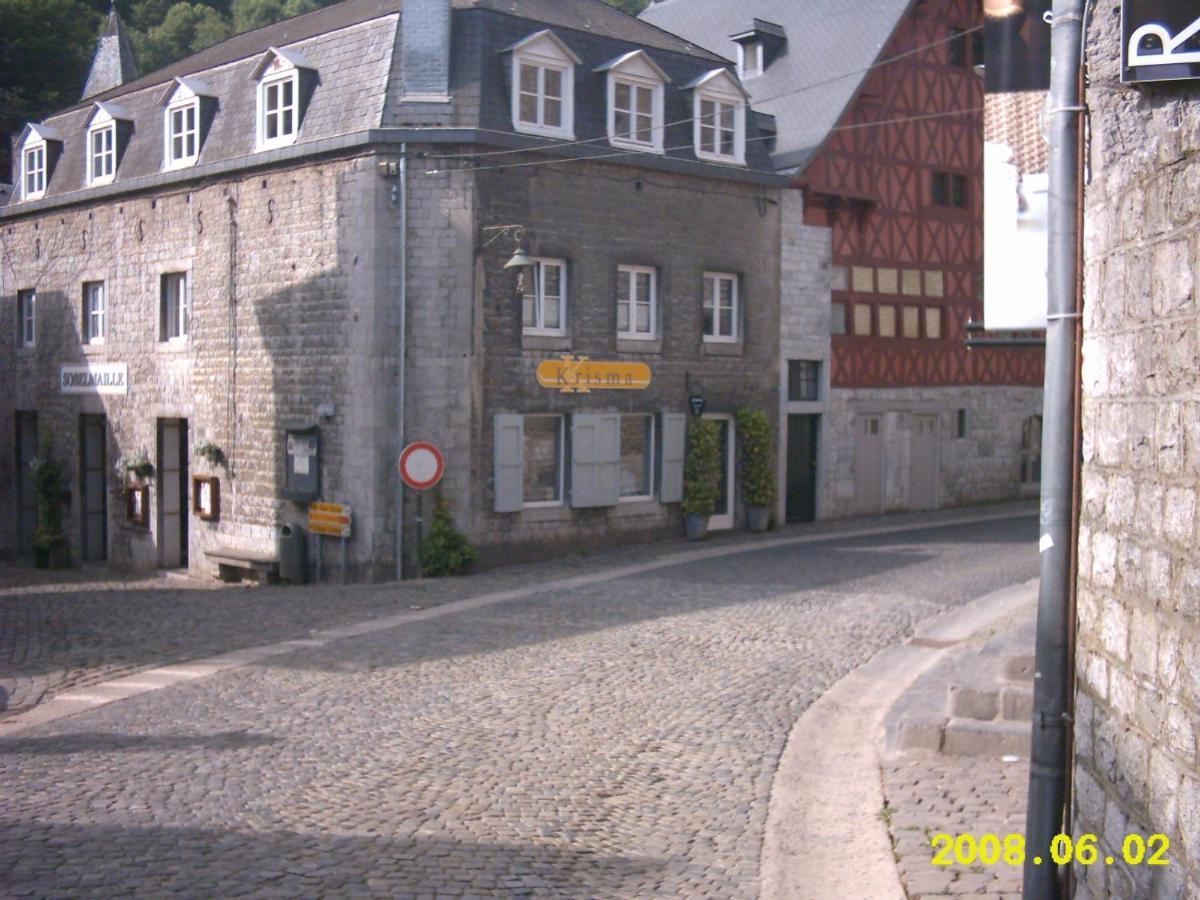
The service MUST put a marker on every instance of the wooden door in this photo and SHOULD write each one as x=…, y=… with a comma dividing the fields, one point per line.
x=802, y=468
x=722, y=517
x=93, y=505
x=868, y=465
x=923, y=463
x=172, y=493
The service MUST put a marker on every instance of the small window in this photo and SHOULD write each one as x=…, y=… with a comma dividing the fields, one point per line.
x=888, y=280
x=95, y=313
x=545, y=305
x=946, y=189
x=887, y=321
x=541, y=97
x=277, y=111
x=962, y=423
x=751, y=59
x=637, y=302
x=27, y=317
x=543, y=86
x=933, y=322
x=719, y=111
x=804, y=380
x=635, y=93
x=637, y=457
x=102, y=153
x=633, y=113
x=863, y=279
x=957, y=49
x=862, y=319
x=175, y=307
x=183, y=144
x=720, y=307
x=543, y=454
x=910, y=282
x=839, y=278
x=34, y=171
x=1031, y=450
x=910, y=320
x=935, y=283
x=837, y=319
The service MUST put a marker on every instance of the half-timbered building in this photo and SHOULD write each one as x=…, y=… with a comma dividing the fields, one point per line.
x=878, y=116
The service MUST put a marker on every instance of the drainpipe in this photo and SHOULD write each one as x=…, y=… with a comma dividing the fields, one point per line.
x=1049, y=761
x=401, y=197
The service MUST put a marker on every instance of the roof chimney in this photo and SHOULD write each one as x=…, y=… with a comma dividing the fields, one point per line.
x=113, y=63
x=425, y=51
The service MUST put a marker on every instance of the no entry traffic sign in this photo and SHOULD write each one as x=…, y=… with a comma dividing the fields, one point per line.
x=421, y=465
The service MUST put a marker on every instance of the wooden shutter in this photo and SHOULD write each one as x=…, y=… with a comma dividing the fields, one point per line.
x=595, y=460
x=674, y=442
x=509, y=454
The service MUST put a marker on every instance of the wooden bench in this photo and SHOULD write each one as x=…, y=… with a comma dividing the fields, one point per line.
x=232, y=563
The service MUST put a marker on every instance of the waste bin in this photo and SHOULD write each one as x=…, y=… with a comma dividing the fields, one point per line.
x=293, y=554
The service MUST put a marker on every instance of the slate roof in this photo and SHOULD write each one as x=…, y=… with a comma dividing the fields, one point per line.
x=825, y=38
x=113, y=63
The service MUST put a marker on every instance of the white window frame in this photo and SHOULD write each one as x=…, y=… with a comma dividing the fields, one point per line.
x=545, y=52
x=539, y=295
x=651, y=460
x=105, y=130
x=175, y=310
x=27, y=317
x=713, y=92
x=95, y=315
x=33, y=165
x=636, y=83
x=562, y=462
x=750, y=60
x=712, y=301
x=290, y=76
x=630, y=273
x=182, y=107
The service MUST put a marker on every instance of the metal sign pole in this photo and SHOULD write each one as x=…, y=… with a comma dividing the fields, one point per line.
x=420, y=528
x=344, y=542
x=320, y=567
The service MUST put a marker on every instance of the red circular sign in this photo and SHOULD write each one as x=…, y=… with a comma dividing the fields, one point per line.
x=421, y=465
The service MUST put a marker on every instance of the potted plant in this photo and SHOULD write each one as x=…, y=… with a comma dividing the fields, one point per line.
x=49, y=543
x=701, y=477
x=757, y=469
x=132, y=469
x=446, y=550
x=209, y=451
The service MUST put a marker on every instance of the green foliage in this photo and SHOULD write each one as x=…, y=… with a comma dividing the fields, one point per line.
x=633, y=7
x=758, y=457
x=701, y=468
x=48, y=482
x=249, y=14
x=185, y=29
x=446, y=550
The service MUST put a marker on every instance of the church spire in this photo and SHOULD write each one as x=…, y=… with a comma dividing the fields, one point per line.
x=113, y=63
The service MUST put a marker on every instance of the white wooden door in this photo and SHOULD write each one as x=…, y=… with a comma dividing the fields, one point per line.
x=923, y=463
x=722, y=517
x=868, y=465
x=172, y=493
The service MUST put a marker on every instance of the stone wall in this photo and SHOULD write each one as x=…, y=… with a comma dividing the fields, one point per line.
x=1138, y=692
x=283, y=268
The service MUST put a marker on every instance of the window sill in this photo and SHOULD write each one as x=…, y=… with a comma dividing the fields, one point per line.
x=172, y=166
x=633, y=145
x=173, y=346
x=639, y=345
x=99, y=182
x=539, y=131
x=705, y=156
x=545, y=342
x=721, y=348
x=276, y=144
x=94, y=348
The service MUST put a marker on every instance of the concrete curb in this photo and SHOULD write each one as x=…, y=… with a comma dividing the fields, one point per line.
x=825, y=836
x=74, y=702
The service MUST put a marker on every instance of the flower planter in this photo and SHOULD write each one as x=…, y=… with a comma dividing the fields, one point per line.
x=758, y=518
x=696, y=527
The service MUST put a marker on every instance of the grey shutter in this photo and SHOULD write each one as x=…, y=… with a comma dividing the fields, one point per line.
x=674, y=442
x=509, y=452
x=595, y=460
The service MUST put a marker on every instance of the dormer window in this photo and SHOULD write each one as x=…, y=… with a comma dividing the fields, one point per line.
x=758, y=47
x=719, y=114
x=189, y=105
x=33, y=170
x=108, y=128
x=543, y=86
x=750, y=59
x=635, y=102
x=281, y=78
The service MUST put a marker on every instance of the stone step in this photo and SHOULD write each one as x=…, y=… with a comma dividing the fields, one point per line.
x=970, y=737
x=1009, y=702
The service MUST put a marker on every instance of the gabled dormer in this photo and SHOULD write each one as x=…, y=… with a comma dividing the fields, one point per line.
x=719, y=104
x=285, y=81
x=109, y=129
x=758, y=46
x=543, y=85
x=40, y=147
x=189, y=106
x=636, y=100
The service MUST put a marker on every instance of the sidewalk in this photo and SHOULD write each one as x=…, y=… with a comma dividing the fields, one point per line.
x=67, y=630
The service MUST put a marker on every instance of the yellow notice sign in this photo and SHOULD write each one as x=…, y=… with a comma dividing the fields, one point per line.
x=581, y=376
x=332, y=519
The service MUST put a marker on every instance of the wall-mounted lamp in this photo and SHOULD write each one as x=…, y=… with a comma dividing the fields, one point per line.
x=520, y=260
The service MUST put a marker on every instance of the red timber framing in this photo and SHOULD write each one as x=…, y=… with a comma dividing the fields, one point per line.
x=904, y=255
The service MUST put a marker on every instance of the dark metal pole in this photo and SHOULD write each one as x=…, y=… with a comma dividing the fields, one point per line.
x=1048, y=756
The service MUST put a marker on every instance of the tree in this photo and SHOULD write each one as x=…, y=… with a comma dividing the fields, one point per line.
x=633, y=7
x=249, y=14
x=186, y=29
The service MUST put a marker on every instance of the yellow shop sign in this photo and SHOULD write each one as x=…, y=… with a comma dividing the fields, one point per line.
x=580, y=376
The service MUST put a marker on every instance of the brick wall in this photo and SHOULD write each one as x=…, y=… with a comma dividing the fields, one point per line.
x=1138, y=692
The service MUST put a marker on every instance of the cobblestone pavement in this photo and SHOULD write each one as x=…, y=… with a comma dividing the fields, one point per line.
x=618, y=741
x=65, y=630
x=930, y=793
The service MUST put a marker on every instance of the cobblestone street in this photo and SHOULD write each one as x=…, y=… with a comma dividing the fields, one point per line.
x=617, y=740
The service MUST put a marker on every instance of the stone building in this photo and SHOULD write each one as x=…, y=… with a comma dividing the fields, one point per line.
x=291, y=248
x=878, y=126
x=1137, y=702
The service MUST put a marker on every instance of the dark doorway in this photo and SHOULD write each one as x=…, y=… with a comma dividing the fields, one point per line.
x=27, y=448
x=93, y=467
x=802, y=468
x=172, y=493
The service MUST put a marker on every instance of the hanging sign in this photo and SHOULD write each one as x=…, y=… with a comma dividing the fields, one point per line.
x=1160, y=40
x=332, y=519
x=97, y=378
x=421, y=465
x=581, y=375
